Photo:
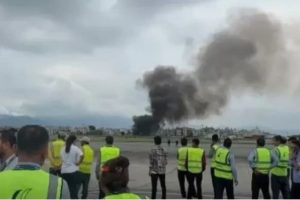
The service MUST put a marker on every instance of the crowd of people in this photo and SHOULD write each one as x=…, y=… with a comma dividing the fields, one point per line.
x=23, y=153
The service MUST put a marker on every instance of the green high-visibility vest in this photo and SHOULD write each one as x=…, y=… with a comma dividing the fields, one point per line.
x=283, y=153
x=182, y=155
x=29, y=184
x=108, y=153
x=195, y=156
x=57, y=146
x=213, y=162
x=122, y=196
x=263, y=160
x=223, y=167
x=88, y=158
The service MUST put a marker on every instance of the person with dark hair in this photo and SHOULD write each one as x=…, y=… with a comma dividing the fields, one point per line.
x=86, y=165
x=225, y=170
x=106, y=153
x=114, y=179
x=213, y=148
x=182, y=166
x=72, y=157
x=27, y=180
x=279, y=174
x=157, y=169
x=55, y=148
x=196, y=165
x=295, y=161
x=8, y=158
x=261, y=160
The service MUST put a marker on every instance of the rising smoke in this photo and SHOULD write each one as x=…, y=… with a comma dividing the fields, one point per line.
x=250, y=55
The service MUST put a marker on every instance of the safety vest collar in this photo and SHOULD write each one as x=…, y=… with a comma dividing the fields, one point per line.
x=27, y=166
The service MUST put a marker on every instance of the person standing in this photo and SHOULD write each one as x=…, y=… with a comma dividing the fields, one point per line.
x=261, y=160
x=8, y=158
x=55, y=155
x=86, y=165
x=106, y=153
x=213, y=148
x=157, y=169
x=225, y=170
x=295, y=161
x=27, y=180
x=279, y=174
x=72, y=157
x=196, y=163
x=182, y=166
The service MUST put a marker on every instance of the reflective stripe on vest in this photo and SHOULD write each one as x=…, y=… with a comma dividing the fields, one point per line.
x=122, y=196
x=195, y=156
x=57, y=146
x=223, y=168
x=283, y=153
x=182, y=155
x=108, y=153
x=213, y=163
x=263, y=160
x=88, y=158
x=29, y=184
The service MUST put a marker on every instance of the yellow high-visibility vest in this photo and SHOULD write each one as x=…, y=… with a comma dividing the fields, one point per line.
x=57, y=146
x=108, y=153
x=223, y=167
x=88, y=158
x=122, y=196
x=213, y=163
x=29, y=184
x=263, y=160
x=283, y=153
x=195, y=156
x=182, y=156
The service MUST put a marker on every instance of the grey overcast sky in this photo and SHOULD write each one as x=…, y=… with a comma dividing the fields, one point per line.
x=82, y=58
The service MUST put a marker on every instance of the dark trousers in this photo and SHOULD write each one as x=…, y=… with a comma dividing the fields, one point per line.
x=221, y=185
x=213, y=180
x=101, y=192
x=72, y=180
x=295, y=193
x=84, y=182
x=182, y=175
x=162, y=180
x=191, y=189
x=260, y=182
x=55, y=172
x=280, y=184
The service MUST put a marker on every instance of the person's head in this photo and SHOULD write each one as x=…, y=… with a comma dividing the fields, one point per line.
x=295, y=145
x=85, y=140
x=283, y=140
x=277, y=139
x=195, y=142
x=7, y=143
x=61, y=136
x=291, y=140
x=261, y=142
x=109, y=140
x=227, y=143
x=215, y=138
x=184, y=141
x=32, y=144
x=115, y=176
x=70, y=140
x=157, y=140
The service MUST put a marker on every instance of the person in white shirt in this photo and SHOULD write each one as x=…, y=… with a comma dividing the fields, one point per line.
x=72, y=157
x=8, y=158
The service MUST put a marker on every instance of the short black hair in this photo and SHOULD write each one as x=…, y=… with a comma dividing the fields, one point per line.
x=215, y=138
x=196, y=141
x=277, y=138
x=157, y=140
x=261, y=141
x=283, y=140
x=109, y=139
x=184, y=141
x=292, y=138
x=32, y=138
x=9, y=136
x=227, y=143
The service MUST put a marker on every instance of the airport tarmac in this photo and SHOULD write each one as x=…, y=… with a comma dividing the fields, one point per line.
x=137, y=152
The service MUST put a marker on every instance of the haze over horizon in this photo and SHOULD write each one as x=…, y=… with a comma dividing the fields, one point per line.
x=78, y=60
